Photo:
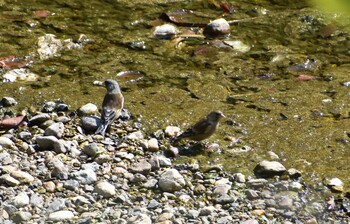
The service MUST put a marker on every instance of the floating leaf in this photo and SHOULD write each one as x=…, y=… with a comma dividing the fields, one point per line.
x=306, y=77
x=131, y=75
x=184, y=17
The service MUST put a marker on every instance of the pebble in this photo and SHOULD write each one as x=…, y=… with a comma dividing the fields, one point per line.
x=7, y=179
x=87, y=176
x=171, y=180
x=61, y=216
x=217, y=28
x=90, y=123
x=105, y=189
x=56, y=129
x=88, y=109
x=141, y=166
x=49, y=107
x=270, y=168
x=172, y=131
x=6, y=143
x=137, y=135
x=21, y=217
x=8, y=102
x=21, y=200
x=153, y=145
x=91, y=149
x=46, y=143
x=165, y=31
x=39, y=119
x=23, y=177
x=58, y=169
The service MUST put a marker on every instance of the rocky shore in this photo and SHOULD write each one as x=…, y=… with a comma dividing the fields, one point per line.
x=54, y=169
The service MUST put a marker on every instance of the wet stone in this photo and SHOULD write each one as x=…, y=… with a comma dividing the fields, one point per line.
x=269, y=168
x=217, y=28
x=39, y=119
x=165, y=31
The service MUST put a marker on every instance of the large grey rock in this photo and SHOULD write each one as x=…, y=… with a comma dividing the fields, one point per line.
x=46, y=142
x=269, y=168
x=56, y=129
x=171, y=180
x=87, y=176
x=105, y=189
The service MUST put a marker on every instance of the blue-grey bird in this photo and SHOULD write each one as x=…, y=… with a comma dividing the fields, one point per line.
x=111, y=107
x=203, y=129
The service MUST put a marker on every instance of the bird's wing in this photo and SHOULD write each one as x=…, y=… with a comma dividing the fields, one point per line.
x=108, y=115
x=201, y=126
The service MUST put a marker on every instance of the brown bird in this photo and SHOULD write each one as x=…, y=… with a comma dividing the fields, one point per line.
x=203, y=129
x=112, y=106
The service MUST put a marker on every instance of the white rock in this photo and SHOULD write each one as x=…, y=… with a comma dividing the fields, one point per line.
x=61, y=216
x=56, y=129
x=22, y=176
x=21, y=200
x=105, y=189
x=6, y=143
x=20, y=74
x=165, y=31
x=171, y=180
x=88, y=109
x=172, y=131
x=153, y=145
x=49, y=46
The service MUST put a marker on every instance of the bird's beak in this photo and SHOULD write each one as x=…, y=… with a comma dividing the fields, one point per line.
x=223, y=115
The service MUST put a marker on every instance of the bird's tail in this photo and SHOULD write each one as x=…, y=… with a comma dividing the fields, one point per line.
x=101, y=129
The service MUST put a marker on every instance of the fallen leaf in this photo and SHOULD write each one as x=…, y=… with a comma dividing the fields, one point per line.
x=11, y=122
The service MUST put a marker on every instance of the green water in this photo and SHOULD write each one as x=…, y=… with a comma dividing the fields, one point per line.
x=304, y=122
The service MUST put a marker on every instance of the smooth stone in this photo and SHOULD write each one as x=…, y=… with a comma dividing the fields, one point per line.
x=49, y=186
x=71, y=185
x=153, y=145
x=49, y=107
x=46, y=143
x=87, y=176
x=165, y=31
x=5, y=158
x=90, y=123
x=141, y=166
x=222, y=187
x=217, y=28
x=21, y=217
x=257, y=183
x=62, y=107
x=62, y=146
x=91, y=149
x=88, y=109
x=25, y=135
x=140, y=219
x=105, y=189
x=164, y=161
x=207, y=210
x=137, y=135
x=171, y=180
x=192, y=214
x=269, y=168
x=61, y=216
x=39, y=119
x=294, y=173
x=21, y=200
x=23, y=177
x=172, y=131
x=153, y=204
x=285, y=203
x=58, y=169
x=165, y=216
x=6, y=143
x=7, y=179
x=150, y=183
x=56, y=129
x=36, y=200
x=56, y=205
x=239, y=177
x=8, y=102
